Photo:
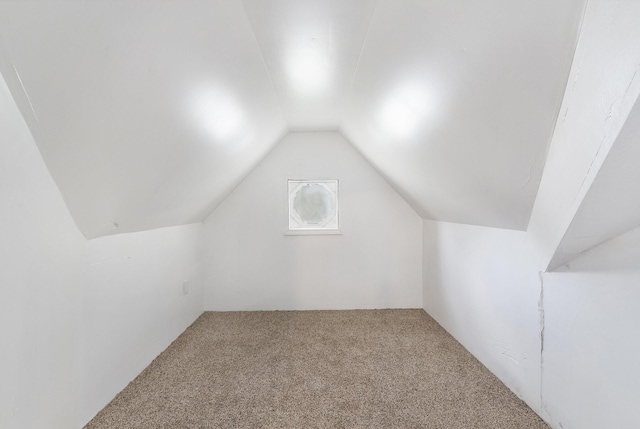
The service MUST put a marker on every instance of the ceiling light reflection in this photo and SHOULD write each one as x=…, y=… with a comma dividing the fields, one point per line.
x=217, y=113
x=309, y=71
x=404, y=111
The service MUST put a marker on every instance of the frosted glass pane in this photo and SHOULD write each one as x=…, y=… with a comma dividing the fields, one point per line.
x=313, y=204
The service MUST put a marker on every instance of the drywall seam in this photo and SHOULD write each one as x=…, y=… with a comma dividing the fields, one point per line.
x=542, y=326
x=355, y=70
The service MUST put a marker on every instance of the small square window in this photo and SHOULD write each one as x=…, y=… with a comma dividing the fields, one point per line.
x=313, y=205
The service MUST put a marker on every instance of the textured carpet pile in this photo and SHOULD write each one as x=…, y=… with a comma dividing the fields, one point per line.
x=316, y=369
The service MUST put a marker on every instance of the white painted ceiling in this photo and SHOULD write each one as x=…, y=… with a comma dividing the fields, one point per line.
x=148, y=113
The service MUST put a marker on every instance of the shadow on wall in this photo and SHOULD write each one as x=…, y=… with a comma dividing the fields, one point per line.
x=618, y=255
x=433, y=292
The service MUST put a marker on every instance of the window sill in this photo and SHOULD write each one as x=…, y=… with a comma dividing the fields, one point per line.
x=314, y=232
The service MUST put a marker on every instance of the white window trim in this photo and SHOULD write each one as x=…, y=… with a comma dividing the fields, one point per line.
x=310, y=230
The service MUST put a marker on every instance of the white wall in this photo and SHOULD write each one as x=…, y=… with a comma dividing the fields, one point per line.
x=41, y=254
x=78, y=319
x=133, y=306
x=252, y=265
x=480, y=284
x=591, y=376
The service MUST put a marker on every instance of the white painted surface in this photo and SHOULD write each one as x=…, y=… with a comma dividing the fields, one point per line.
x=480, y=284
x=610, y=206
x=162, y=107
x=311, y=49
x=455, y=102
x=133, y=306
x=603, y=86
x=41, y=254
x=591, y=377
x=147, y=113
x=252, y=265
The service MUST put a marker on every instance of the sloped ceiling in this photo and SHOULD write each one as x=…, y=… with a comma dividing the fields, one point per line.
x=148, y=113
x=611, y=206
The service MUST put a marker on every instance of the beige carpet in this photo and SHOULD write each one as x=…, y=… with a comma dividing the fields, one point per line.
x=316, y=369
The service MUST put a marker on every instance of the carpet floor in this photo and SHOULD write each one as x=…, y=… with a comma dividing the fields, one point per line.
x=316, y=369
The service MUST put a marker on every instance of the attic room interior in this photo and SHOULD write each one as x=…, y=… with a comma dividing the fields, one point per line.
x=469, y=164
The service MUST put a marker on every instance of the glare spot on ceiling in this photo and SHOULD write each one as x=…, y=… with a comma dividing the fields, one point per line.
x=404, y=109
x=217, y=113
x=309, y=69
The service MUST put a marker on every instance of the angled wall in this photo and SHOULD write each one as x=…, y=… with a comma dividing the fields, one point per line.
x=146, y=114
x=603, y=87
x=482, y=286
x=41, y=252
x=565, y=340
x=78, y=319
x=251, y=264
x=134, y=306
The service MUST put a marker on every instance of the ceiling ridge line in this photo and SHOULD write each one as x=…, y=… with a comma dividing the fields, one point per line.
x=264, y=63
x=355, y=70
